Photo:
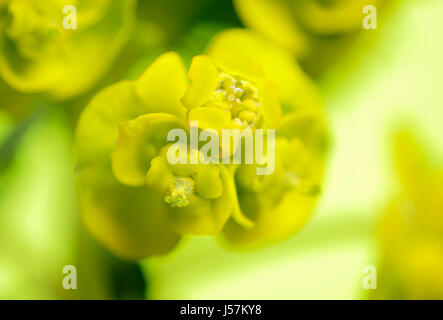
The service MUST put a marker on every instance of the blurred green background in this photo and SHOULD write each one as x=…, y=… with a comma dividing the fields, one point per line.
x=388, y=79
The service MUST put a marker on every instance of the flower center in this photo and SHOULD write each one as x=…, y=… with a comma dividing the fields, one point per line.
x=238, y=97
x=179, y=192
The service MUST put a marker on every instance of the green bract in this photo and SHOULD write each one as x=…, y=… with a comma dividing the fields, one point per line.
x=38, y=54
x=138, y=203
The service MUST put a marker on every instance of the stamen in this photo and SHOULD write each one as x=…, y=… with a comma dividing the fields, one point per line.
x=179, y=191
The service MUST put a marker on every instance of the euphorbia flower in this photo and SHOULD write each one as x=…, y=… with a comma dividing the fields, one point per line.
x=411, y=230
x=37, y=54
x=139, y=203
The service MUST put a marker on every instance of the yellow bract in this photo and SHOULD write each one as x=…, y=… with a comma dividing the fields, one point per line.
x=167, y=73
x=138, y=142
x=205, y=77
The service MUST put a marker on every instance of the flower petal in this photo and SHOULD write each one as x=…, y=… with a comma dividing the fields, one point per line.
x=163, y=84
x=131, y=222
x=97, y=128
x=159, y=177
x=210, y=118
x=275, y=217
x=205, y=77
x=238, y=216
x=138, y=142
x=208, y=182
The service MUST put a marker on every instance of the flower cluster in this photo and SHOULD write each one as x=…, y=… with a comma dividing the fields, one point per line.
x=138, y=203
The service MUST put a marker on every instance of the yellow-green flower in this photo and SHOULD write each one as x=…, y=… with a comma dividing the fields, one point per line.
x=38, y=53
x=139, y=203
x=411, y=230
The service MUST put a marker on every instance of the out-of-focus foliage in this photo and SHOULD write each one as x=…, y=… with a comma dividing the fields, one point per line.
x=411, y=230
x=13, y=101
x=37, y=54
x=138, y=204
x=40, y=232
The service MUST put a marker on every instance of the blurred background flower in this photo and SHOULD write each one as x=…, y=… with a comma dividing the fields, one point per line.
x=318, y=32
x=411, y=230
x=41, y=52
